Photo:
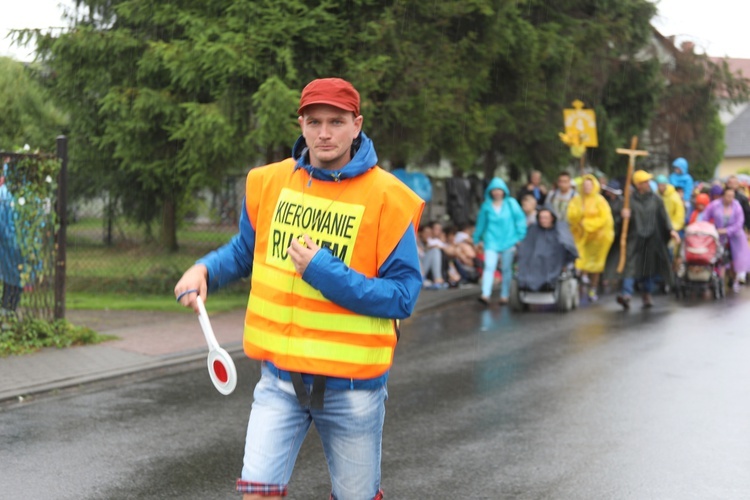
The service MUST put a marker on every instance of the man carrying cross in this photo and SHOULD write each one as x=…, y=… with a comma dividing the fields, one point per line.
x=648, y=234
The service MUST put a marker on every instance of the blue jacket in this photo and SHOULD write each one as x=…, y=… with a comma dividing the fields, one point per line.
x=499, y=231
x=683, y=180
x=392, y=294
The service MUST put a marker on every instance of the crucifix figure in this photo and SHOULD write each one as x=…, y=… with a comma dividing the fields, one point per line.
x=632, y=153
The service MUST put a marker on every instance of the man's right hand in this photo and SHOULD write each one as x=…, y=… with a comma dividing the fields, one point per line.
x=195, y=283
x=625, y=212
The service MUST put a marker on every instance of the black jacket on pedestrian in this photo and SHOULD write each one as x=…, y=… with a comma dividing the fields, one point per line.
x=527, y=190
x=649, y=232
x=458, y=200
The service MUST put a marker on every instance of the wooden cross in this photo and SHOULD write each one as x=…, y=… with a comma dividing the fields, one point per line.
x=632, y=152
x=632, y=155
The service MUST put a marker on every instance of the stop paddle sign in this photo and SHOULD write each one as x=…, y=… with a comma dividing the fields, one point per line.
x=221, y=367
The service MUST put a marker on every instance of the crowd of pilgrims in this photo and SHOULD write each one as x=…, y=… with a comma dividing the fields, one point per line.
x=484, y=249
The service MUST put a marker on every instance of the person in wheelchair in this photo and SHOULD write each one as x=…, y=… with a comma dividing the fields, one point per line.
x=547, y=251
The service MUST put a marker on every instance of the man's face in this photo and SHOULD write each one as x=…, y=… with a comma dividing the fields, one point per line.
x=563, y=184
x=437, y=230
x=536, y=178
x=329, y=133
x=588, y=186
x=643, y=187
x=677, y=170
x=662, y=188
x=545, y=219
x=733, y=182
x=497, y=194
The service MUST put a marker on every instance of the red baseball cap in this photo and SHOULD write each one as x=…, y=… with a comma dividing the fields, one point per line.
x=333, y=91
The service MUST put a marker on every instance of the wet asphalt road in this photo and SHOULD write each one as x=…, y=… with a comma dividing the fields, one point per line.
x=595, y=404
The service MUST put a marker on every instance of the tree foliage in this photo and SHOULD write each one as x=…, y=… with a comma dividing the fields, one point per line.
x=688, y=114
x=28, y=115
x=166, y=97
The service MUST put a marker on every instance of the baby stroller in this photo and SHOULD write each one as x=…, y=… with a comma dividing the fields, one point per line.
x=701, y=260
x=545, y=275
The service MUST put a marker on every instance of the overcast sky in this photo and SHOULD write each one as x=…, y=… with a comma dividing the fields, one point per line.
x=718, y=27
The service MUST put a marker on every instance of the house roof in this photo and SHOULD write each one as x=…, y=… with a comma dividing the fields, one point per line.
x=737, y=135
x=739, y=67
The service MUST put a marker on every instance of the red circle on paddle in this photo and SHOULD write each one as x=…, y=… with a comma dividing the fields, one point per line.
x=220, y=371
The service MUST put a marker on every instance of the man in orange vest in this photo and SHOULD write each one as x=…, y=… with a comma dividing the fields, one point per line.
x=330, y=239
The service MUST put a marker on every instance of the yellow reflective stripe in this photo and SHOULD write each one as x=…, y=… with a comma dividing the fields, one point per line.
x=318, y=349
x=284, y=282
x=331, y=322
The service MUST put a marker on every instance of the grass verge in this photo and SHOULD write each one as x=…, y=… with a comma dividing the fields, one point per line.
x=29, y=335
x=217, y=302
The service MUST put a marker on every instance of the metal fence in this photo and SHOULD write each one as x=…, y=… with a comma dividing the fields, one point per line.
x=90, y=243
x=53, y=241
x=29, y=226
x=107, y=251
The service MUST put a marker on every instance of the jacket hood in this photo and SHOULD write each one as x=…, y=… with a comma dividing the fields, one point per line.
x=669, y=191
x=597, y=187
x=682, y=164
x=363, y=160
x=496, y=183
x=547, y=208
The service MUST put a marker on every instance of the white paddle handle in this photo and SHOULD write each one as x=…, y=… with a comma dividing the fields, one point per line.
x=208, y=332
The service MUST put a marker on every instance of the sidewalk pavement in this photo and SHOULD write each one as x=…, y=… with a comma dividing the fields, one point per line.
x=146, y=341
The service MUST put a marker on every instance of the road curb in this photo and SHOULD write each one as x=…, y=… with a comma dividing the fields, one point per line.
x=429, y=301
x=167, y=361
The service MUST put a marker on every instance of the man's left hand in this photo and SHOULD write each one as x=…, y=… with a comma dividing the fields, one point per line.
x=675, y=236
x=300, y=254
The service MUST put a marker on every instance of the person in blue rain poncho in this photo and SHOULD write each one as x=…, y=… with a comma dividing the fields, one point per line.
x=501, y=224
x=681, y=178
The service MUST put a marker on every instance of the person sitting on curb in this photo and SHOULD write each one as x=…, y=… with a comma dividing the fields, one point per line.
x=466, y=258
x=435, y=259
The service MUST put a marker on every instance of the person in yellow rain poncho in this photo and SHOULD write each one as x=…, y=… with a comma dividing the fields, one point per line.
x=672, y=202
x=593, y=228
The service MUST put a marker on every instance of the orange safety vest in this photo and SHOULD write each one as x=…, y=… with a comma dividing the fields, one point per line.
x=360, y=220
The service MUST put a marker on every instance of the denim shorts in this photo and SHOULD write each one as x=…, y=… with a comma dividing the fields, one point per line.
x=350, y=426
